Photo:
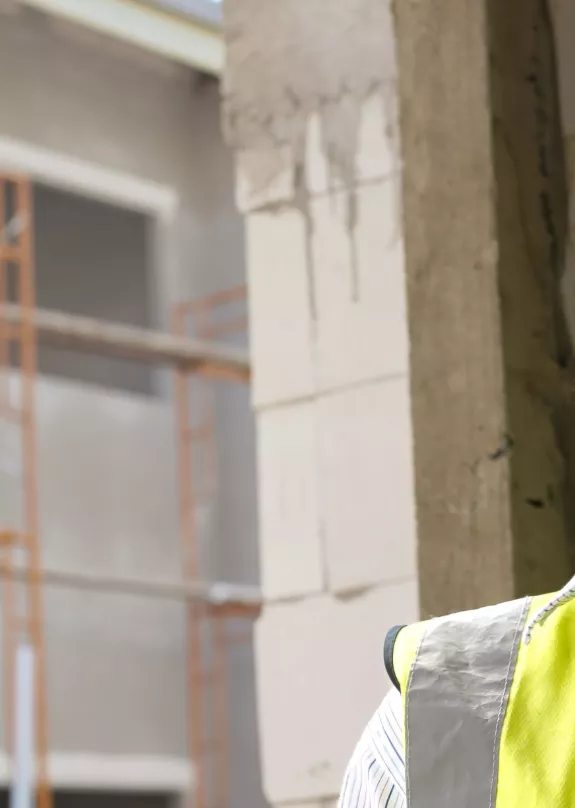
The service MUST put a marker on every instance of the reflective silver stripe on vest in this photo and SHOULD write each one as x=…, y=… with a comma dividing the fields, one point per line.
x=456, y=700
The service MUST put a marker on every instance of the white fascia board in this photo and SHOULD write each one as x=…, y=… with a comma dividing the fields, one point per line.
x=88, y=179
x=180, y=39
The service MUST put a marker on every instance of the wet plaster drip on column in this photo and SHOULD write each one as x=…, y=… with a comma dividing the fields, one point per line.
x=289, y=60
x=393, y=137
x=351, y=229
x=339, y=140
x=342, y=170
x=302, y=204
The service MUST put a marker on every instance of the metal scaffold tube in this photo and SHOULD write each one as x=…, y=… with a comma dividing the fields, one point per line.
x=197, y=352
x=219, y=597
x=90, y=335
x=208, y=685
x=22, y=612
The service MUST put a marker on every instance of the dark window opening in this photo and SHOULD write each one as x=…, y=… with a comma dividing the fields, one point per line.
x=92, y=259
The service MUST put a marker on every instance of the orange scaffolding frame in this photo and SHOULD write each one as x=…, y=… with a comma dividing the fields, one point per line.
x=21, y=570
x=22, y=602
x=207, y=636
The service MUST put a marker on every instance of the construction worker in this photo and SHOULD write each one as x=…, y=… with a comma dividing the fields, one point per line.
x=481, y=715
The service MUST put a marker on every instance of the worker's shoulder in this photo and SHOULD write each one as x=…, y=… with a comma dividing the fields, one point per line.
x=376, y=770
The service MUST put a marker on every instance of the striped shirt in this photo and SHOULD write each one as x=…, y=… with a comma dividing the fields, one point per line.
x=375, y=776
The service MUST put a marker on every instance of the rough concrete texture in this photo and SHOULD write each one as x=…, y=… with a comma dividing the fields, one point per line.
x=376, y=157
x=358, y=286
x=281, y=68
x=353, y=280
x=483, y=215
x=264, y=178
x=568, y=280
x=563, y=16
x=324, y=657
x=533, y=226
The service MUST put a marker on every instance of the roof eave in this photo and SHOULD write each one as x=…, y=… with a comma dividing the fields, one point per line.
x=180, y=38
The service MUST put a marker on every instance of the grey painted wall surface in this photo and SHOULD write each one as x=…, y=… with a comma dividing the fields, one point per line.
x=107, y=481
x=98, y=100
x=107, y=505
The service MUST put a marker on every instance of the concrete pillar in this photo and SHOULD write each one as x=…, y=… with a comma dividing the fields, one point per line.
x=319, y=183
x=311, y=108
x=485, y=230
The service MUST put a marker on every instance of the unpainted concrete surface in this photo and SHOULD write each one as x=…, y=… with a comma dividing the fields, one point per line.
x=484, y=211
x=321, y=677
x=287, y=60
x=563, y=19
x=309, y=107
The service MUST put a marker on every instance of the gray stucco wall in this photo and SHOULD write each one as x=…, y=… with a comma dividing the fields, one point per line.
x=89, y=97
x=108, y=496
x=116, y=664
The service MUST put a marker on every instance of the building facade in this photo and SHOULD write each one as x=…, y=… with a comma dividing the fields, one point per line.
x=133, y=212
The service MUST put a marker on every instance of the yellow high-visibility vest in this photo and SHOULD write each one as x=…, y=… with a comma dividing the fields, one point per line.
x=489, y=699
